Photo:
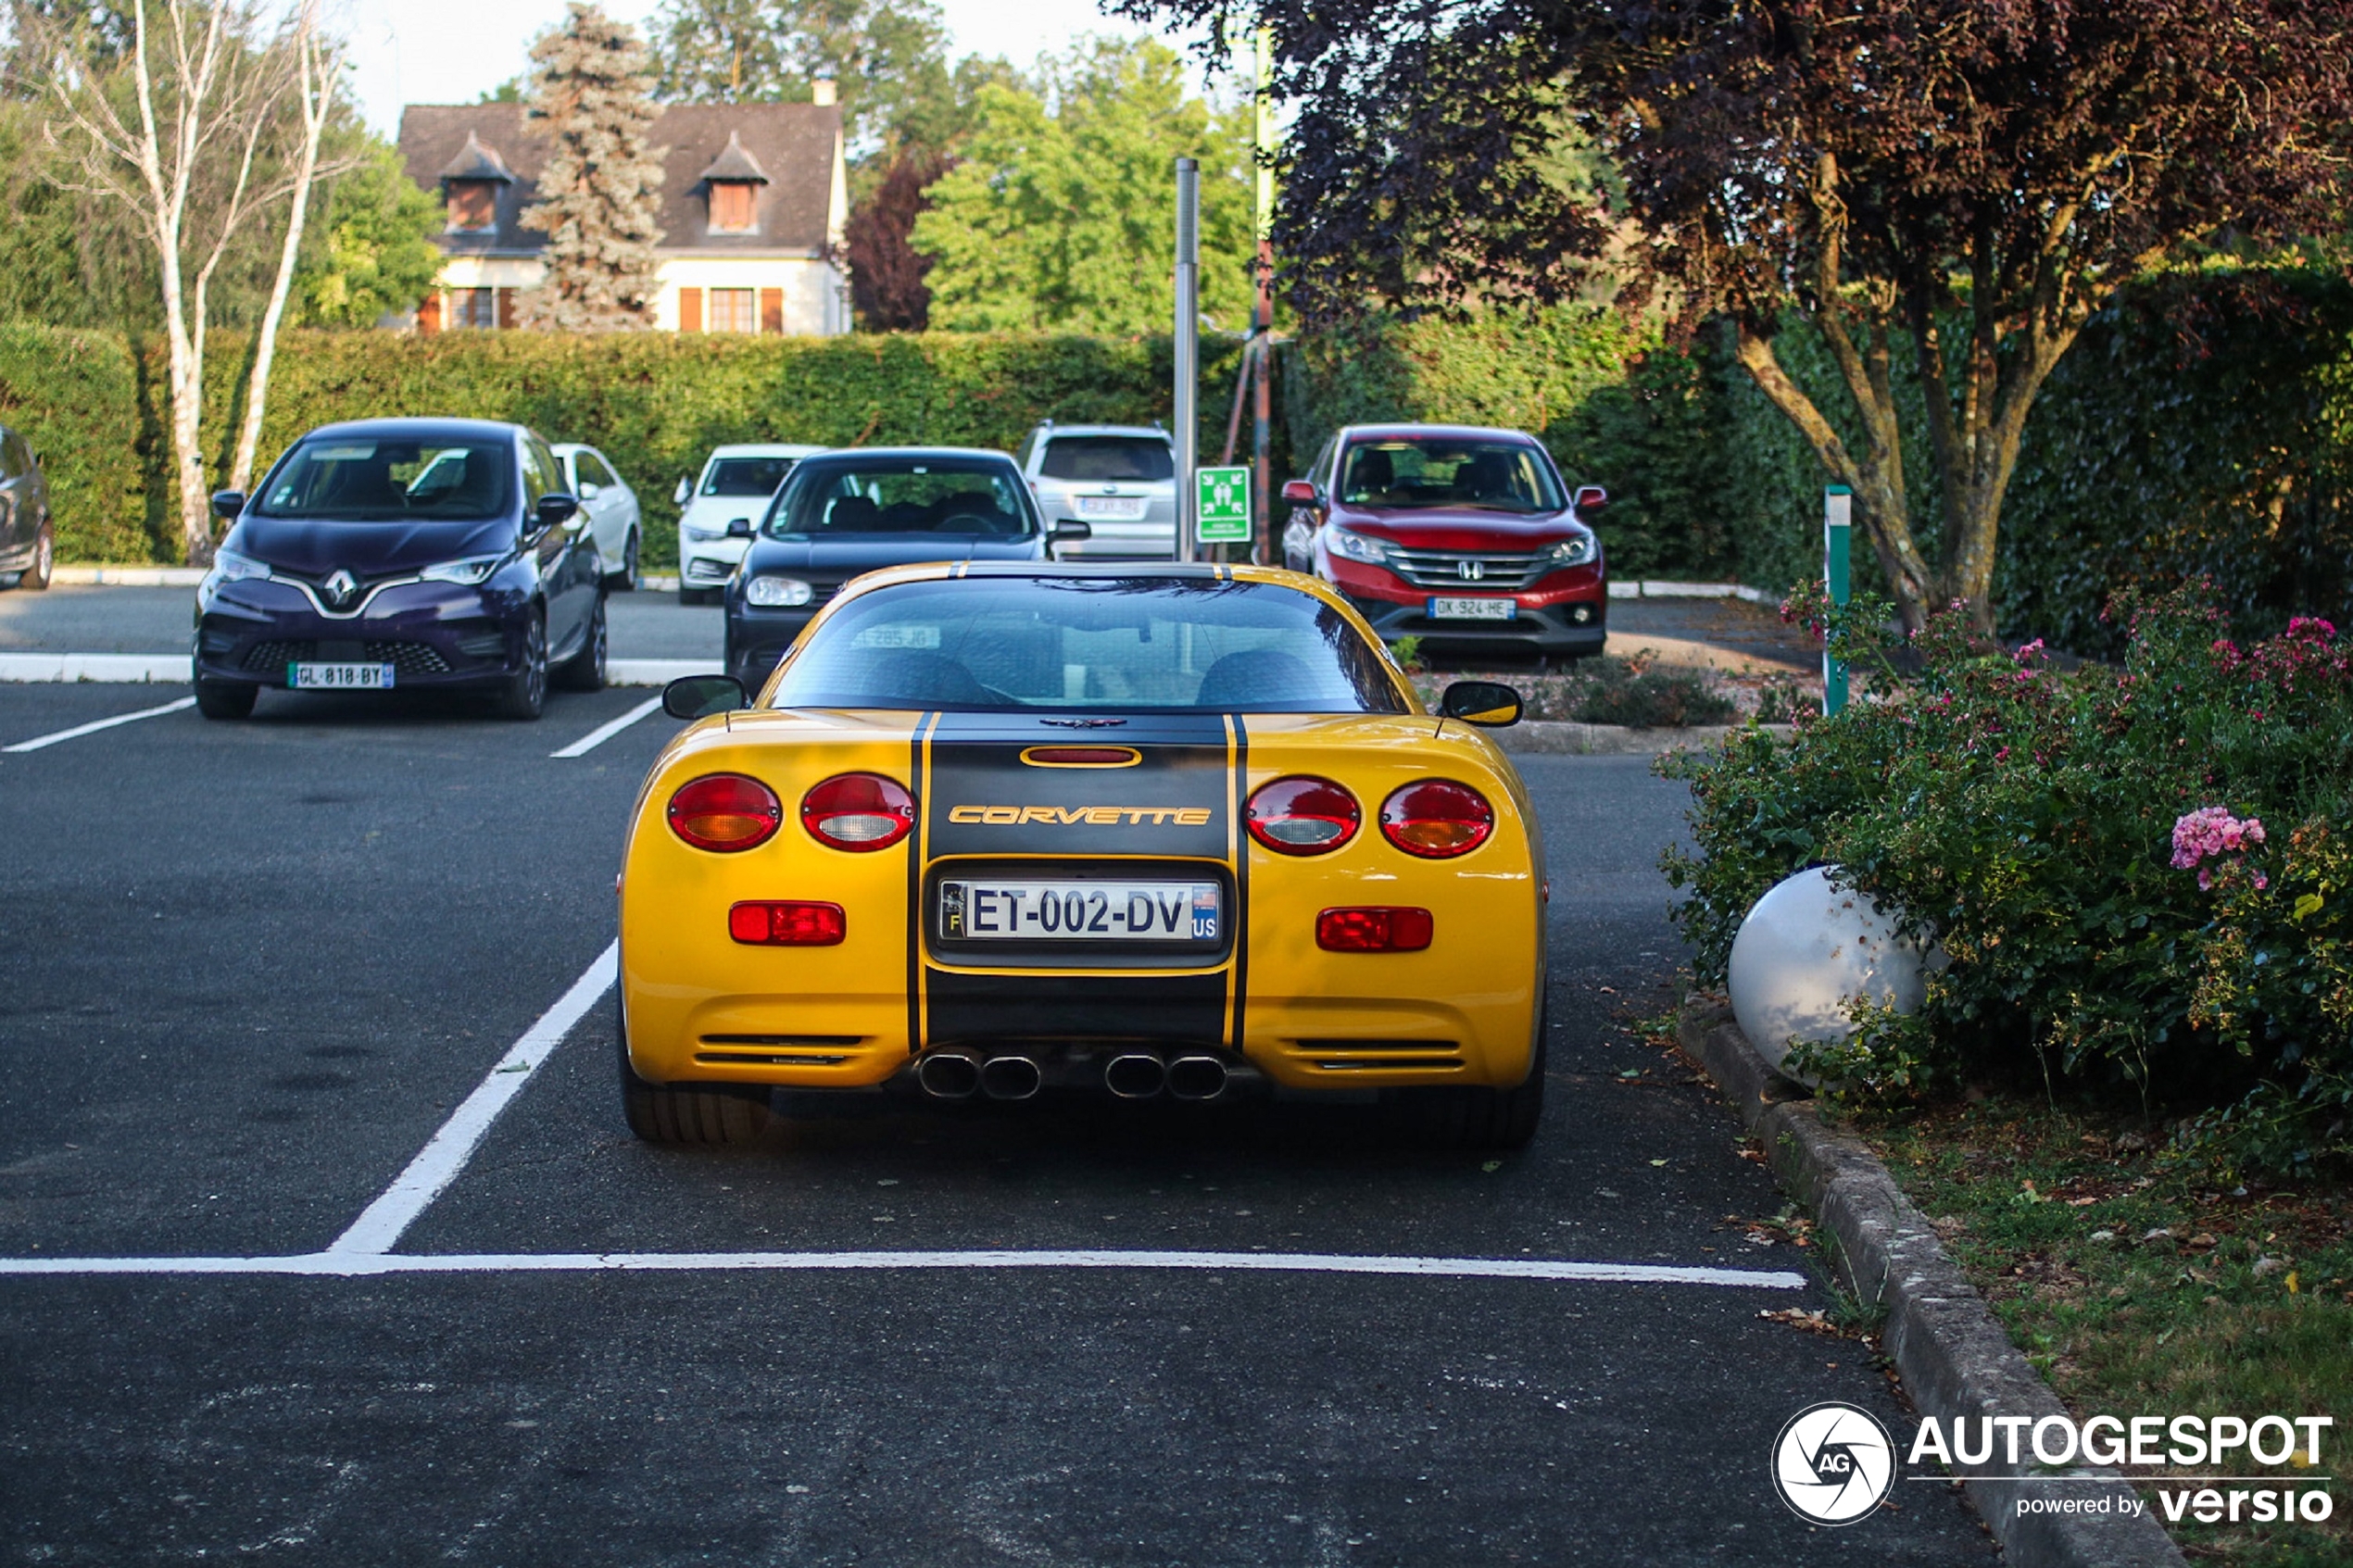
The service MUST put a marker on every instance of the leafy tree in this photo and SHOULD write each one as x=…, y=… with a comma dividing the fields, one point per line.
x=1060, y=215
x=371, y=255
x=1958, y=184
x=591, y=94
x=887, y=285
x=881, y=54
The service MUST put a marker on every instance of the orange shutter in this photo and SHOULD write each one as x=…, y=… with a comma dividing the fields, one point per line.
x=429, y=314
x=506, y=298
x=772, y=310
x=690, y=310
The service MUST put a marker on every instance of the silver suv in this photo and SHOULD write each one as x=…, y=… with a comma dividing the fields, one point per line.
x=1118, y=479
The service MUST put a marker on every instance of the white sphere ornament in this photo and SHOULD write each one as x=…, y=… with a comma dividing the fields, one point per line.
x=1805, y=949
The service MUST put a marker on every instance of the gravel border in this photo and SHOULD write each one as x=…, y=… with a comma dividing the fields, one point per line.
x=1953, y=1354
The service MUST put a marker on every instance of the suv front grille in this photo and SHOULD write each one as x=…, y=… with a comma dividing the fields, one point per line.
x=1490, y=569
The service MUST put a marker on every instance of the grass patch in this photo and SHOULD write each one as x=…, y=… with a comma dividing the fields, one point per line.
x=2137, y=1287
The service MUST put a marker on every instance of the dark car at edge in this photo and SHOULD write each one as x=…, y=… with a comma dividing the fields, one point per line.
x=1461, y=536
x=844, y=513
x=437, y=555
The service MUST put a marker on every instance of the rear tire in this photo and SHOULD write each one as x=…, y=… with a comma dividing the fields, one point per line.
x=705, y=1116
x=584, y=671
x=43, y=564
x=627, y=579
x=226, y=699
x=525, y=694
x=1482, y=1118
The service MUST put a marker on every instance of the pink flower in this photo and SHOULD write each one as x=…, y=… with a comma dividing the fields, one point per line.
x=2209, y=833
x=2027, y=652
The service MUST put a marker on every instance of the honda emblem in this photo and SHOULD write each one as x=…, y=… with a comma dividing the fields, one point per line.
x=1470, y=570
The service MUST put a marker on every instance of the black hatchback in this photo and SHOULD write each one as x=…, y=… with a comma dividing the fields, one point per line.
x=381, y=554
x=843, y=513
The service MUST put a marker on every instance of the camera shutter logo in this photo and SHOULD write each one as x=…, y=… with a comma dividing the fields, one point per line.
x=1833, y=1463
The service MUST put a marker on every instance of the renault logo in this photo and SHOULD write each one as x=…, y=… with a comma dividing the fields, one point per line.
x=340, y=585
x=1470, y=570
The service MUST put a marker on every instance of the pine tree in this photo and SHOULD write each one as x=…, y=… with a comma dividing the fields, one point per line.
x=591, y=93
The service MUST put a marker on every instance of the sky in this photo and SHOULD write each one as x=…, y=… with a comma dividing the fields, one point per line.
x=453, y=51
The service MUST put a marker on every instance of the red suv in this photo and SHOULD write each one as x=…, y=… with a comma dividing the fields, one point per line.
x=1453, y=534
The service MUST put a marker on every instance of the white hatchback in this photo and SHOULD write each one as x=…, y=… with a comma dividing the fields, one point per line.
x=611, y=506
x=719, y=509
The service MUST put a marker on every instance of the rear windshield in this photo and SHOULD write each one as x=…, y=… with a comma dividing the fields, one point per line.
x=1502, y=476
x=746, y=476
x=980, y=498
x=1109, y=458
x=986, y=643
x=345, y=479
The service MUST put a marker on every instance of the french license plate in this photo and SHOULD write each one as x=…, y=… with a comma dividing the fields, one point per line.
x=1473, y=609
x=1112, y=508
x=1080, y=911
x=305, y=677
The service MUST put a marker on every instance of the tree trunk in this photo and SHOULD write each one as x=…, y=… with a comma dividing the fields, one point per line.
x=316, y=95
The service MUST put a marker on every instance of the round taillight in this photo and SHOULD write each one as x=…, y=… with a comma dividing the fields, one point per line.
x=1302, y=816
x=726, y=811
x=1436, y=819
x=858, y=812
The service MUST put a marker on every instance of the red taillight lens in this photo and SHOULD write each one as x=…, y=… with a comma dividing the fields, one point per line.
x=858, y=812
x=1302, y=816
x=787, y=922
x=1435, y=820
x=1373, y=930
x=726, y=811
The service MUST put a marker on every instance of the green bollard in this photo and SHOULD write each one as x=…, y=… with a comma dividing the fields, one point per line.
x=1838, y=517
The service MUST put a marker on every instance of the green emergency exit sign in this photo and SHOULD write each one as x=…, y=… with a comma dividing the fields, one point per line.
x=1222, y=507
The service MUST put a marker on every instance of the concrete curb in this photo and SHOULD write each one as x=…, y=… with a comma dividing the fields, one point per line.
x=134, y=669
x=1951, y=1352
x=1560, y=737
x=128, y=576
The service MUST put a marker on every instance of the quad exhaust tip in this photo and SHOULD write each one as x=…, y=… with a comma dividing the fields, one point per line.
x=1135, y=1076
x=948, y=1075
x=1197, y=1077
x=1010, y=1077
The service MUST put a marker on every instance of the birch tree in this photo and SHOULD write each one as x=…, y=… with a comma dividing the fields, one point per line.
x=175, y=134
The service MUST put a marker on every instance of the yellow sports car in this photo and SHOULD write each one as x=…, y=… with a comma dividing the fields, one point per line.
x=1139, y=829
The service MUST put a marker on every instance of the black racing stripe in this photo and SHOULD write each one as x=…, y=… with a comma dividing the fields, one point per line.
x=977, y=774
x=1241, y=880
x=992, y=1008
x=915, y=857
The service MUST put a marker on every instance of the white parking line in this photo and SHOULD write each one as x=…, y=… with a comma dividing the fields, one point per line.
x=349, y=1263
x=604, y=732
x=96, y=724
x=439, y=1162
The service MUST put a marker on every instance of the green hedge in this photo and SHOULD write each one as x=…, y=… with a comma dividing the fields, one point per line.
x=654, y=403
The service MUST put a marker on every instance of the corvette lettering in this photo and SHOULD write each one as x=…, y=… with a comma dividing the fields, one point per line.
x=1103, y=816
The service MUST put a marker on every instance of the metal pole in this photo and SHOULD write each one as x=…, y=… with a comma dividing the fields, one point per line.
x=1261, y=429
x=1188, y=349
x=1838, y=533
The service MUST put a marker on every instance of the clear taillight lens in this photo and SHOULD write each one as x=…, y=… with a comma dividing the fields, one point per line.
x=1436, y=819
x=1302, y=816
x=858, y=812
x=725, y=812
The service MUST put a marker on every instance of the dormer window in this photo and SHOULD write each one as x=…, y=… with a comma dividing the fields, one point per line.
x=731, y=185
x=470, y=185
x=473, y=204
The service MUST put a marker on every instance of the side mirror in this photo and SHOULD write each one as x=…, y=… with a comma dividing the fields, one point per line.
x=556, y=509
x=228, y=503
x=1066, y=534
x=1303, y=493
x=739, y=528
x=1489, y=704
x=685, y=488
x=589, y=490
x=1591, y=498
x=699, y=696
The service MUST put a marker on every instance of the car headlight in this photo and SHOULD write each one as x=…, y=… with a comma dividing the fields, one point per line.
x=468, y=571
x=775, y=593
x=229, y=566
x=1356, y=546
x=1570, y=552
x=702, y=535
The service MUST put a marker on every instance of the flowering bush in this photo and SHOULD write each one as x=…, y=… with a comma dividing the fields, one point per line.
x=2091, y=849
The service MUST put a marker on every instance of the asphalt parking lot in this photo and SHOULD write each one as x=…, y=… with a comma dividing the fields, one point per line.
x=255, y=968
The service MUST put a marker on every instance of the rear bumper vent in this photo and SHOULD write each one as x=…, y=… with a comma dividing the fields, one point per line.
x=1380, y=1056
x=777, y=1051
